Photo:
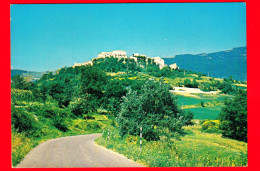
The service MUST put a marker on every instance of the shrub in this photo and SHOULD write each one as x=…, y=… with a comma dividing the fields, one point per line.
x=188, y=116
x=83, y=125
x=187, y=83
x=202, y=104
x=211, y=126
x=59, y=123
x=24, y=121
x=21, y=95
x=21, y=145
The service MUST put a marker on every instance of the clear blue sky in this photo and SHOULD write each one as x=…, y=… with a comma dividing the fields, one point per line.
x=51, y=36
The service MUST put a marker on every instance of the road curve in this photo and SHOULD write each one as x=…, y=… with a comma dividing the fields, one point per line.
x=74, y=152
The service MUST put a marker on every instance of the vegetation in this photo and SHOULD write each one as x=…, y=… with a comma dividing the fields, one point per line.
x=194, y=149
x=124, y=95
x=153, y=108
x=233, y=117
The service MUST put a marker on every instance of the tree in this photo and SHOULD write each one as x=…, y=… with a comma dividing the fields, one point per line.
x=187, y=83
x=154, y=109
x=195, y=84
x=202, y=104
x=233, y=117
x=18, y=82
x=93, y=81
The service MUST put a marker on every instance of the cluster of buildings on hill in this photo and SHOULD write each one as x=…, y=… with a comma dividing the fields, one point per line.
x=122, y=54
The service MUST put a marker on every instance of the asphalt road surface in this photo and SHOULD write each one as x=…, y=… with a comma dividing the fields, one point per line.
x=74, y=152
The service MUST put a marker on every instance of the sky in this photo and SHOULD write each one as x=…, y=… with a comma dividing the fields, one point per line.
x=46, y=37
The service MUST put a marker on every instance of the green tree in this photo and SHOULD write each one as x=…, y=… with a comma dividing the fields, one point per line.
x=18, y=82
x=233, y=117
x=195, y=84
x=202, y=104
x=187, y=83
x=92, y=81
x=154, y=109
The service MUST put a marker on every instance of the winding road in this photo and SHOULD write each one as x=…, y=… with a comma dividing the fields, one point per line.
x=74, y=152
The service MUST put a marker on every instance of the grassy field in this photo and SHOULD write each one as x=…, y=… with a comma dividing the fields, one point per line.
x=194, y=149
x=205, y=112
x=213, y=105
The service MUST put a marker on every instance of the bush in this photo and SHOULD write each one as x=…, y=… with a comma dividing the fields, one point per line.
x=188, y=116
x=84, y=105
x=187, y=83
x=21, y=145
x=83, y=125
x=60, y=124
x=202, y=104
x=211, y=126
x=24, y=121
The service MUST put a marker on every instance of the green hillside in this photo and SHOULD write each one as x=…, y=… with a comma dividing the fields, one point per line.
x=125, y=96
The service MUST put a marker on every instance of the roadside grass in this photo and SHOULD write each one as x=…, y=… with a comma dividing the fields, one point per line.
x=193, y=150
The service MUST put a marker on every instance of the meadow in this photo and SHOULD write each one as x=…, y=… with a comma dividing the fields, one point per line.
x=194, y=149
x=212, y=105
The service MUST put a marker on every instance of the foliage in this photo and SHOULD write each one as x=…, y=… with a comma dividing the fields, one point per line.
x=23, y=121
x=154, y=109
x=202, y=104
x=196, y=149
x=92, y=81
x=210, y=126
x=188, y=115
x=21, y=95
x=21, y=145
x=59, y=123
x=86, y=125
x=233, y=117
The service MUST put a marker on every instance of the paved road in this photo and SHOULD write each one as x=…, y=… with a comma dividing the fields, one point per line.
x=74, y=151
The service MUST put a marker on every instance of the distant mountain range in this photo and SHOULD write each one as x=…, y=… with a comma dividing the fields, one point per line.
x=218, y=64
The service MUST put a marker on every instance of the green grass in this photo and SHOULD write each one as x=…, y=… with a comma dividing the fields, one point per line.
x=195, y=149
x=205, y=112
x=211, y=111
x=205, y=98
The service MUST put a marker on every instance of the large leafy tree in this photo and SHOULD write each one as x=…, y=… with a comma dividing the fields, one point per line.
x=153, y=108
x=92, y=81
x=233, y=117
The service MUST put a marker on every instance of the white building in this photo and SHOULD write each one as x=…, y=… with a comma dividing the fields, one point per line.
x=159, y=61
x=84, y=63
x=137, y=54
x=115, y=53
x=174, y=66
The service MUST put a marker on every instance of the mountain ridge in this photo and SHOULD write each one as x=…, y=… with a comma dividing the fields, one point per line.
x=222, y=64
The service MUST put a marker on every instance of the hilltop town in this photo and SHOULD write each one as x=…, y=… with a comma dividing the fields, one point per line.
x=136, y=57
